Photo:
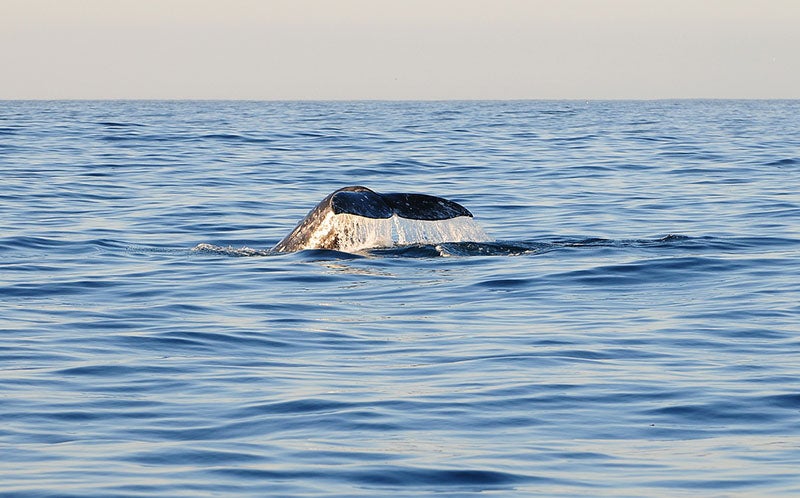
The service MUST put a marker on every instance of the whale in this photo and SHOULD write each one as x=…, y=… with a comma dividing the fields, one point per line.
x=355, y=218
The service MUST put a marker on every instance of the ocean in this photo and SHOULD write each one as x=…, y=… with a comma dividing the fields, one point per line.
x=633, y=330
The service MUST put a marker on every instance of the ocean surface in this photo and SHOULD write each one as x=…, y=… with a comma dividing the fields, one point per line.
x=634, y=330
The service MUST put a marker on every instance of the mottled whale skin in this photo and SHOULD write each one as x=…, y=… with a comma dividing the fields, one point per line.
x=361, y=201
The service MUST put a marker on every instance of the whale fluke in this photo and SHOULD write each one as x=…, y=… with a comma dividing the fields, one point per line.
x=356, y=217
x=362, y=201
x=424, y=207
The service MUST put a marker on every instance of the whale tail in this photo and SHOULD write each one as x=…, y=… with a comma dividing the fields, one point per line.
x=356, y=217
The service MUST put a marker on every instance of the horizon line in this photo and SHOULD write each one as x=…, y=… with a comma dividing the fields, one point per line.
x=526, y=99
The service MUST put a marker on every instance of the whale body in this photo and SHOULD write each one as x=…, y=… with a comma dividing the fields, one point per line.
x=355, y=218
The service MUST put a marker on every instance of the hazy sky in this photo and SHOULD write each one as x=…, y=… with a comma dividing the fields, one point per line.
x=399, y=49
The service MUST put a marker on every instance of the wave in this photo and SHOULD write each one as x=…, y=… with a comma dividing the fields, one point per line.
x=511, y=248
x=118, y=124
x=232, y=137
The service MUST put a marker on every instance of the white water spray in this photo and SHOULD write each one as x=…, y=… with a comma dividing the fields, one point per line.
x=356, y=233
x=353, y=233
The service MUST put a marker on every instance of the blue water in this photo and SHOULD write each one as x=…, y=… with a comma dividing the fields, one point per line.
x=634, y=331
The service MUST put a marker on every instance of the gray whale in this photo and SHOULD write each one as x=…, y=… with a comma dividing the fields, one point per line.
x=356, y=217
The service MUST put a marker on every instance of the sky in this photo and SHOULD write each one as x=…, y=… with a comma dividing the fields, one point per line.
x=399, y=49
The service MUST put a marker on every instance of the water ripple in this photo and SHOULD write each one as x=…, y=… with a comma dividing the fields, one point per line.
x=632, y=331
